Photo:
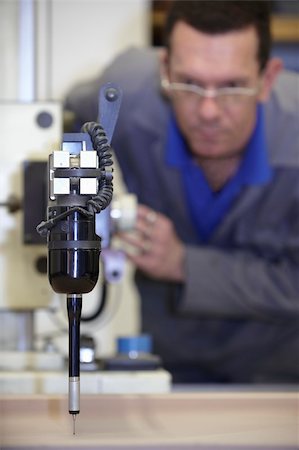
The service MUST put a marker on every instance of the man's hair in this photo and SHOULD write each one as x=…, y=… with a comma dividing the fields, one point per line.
x=222, y=16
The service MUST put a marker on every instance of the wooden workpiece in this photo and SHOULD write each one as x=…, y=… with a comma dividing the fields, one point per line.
x=207, y=420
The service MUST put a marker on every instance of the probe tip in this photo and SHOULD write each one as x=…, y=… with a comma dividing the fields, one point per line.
x=74, y=423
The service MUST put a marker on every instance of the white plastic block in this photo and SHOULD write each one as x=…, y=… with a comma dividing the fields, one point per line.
x=61, y=159
x=61, y=186
x=88, y=159
x=88, y=186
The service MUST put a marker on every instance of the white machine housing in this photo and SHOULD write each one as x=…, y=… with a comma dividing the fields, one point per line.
x=22, y=287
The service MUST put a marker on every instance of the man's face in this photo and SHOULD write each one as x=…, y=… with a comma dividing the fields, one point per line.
x=212, y=128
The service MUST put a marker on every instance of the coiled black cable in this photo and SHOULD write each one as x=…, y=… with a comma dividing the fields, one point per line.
x=100, y=142
x=103, y=149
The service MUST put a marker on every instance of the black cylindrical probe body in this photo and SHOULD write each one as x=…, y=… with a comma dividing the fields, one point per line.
x=74, y=253
x=74, y=307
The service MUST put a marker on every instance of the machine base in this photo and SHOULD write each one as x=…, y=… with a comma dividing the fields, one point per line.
x=53, y=383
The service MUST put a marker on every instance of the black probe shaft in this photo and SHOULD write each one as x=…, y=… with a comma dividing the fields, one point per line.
x=74, y=307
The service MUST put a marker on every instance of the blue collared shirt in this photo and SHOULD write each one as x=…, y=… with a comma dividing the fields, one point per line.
x=206, y=207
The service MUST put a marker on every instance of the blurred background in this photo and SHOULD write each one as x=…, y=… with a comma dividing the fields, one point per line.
x=71, y=40
x=46, y=47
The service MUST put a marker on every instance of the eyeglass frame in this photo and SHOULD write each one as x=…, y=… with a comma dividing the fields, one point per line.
x=210, y=92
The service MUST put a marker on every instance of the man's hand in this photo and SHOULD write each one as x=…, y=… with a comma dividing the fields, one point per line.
x=155, y=246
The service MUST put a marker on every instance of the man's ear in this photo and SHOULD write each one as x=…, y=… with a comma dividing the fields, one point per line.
x=164, y=71
x=163, y=59
x=271, y=71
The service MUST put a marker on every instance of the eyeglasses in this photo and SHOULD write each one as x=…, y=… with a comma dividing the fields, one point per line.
x=225, y=96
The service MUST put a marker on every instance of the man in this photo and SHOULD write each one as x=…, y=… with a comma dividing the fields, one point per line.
x=210, y=147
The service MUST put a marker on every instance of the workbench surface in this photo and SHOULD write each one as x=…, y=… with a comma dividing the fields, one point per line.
x=205, y=419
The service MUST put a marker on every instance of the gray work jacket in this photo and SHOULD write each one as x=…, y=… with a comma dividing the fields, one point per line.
x=237, y=316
